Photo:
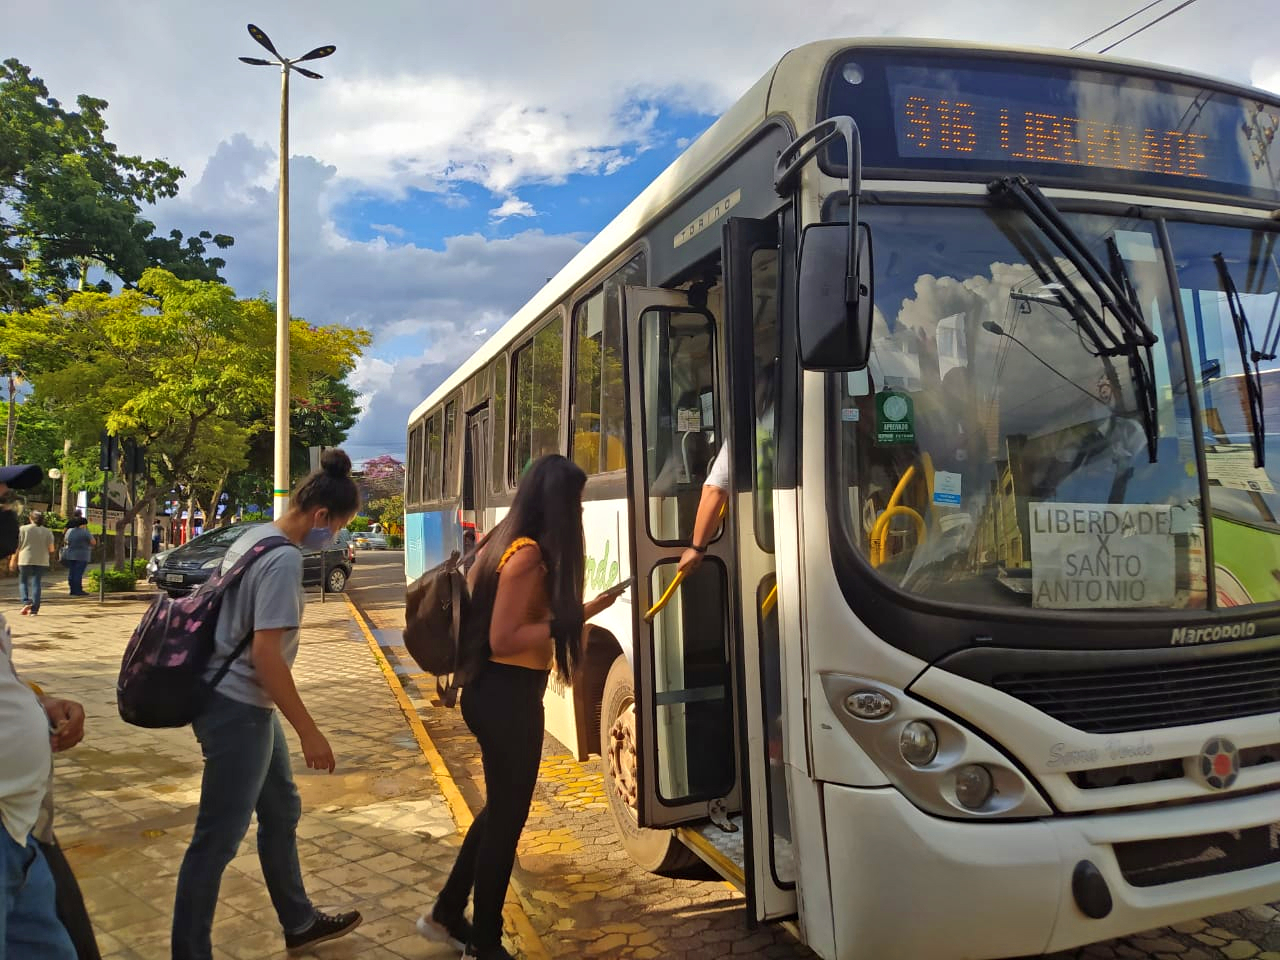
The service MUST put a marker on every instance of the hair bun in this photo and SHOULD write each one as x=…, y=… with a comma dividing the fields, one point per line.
x=335, y=463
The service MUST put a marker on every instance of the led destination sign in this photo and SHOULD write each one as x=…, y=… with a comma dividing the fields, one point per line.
x=930, y=123
x=984, y=115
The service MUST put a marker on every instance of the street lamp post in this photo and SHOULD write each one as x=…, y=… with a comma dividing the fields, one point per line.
x=280, y=492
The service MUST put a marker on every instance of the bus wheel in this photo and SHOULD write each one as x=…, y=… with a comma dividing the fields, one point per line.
x=657, y=851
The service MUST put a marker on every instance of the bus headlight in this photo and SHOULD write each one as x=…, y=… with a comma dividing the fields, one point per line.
x=918, y=743
x=974, y=786
x=935, y=760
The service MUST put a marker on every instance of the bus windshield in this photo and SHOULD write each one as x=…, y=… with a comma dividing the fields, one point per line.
x=992, y=453
x=1242, y=496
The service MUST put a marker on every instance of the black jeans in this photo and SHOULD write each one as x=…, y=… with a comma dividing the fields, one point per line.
x=503, y=708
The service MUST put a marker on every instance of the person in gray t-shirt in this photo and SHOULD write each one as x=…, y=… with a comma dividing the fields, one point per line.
x=246, y=755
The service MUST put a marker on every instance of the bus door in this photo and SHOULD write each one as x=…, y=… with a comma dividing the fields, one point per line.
x=685, y=673
x=752, y=346
x=475, y=472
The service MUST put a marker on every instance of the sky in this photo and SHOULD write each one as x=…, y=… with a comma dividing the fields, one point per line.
x=457, y=154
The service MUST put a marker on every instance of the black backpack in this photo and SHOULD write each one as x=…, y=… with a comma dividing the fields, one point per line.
x=161, y=682
x=436, y=608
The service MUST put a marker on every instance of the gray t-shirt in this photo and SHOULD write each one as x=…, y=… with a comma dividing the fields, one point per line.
x=76, y=541
x=269, y=597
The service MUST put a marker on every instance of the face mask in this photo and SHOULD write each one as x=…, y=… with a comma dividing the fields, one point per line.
x=317, y=538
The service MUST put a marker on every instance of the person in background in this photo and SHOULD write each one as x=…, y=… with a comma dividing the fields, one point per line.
x=35, y=550
x=157, y=535
x=76, y=544
x=246, y=755
x=527, y=615
x=34, y=727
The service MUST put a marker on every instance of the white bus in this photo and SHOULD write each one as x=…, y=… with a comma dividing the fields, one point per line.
x=985, y=659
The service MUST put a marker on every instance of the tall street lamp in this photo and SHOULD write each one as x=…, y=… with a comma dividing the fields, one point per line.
x=280, y=493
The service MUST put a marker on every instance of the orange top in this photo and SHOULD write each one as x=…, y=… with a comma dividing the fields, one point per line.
x=539, y=656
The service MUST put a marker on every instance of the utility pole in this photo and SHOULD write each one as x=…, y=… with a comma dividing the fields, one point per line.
x=280, y=491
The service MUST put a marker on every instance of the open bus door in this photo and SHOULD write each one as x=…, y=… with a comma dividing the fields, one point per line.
x=475, y=471
x=688, y=675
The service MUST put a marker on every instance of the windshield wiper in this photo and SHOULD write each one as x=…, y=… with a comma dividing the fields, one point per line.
x=1249, y=353
x=1114, y=291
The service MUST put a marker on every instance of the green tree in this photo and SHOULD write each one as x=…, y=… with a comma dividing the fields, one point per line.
x=69, y=197
x=180, y=366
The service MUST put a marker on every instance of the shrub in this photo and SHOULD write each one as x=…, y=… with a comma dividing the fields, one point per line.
x=359, y=525
x=138, y=566
x=117, y=581
x=394, y=542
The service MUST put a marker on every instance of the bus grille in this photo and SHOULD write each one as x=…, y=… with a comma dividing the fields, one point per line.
x=1121, y=699
x=1150, y=863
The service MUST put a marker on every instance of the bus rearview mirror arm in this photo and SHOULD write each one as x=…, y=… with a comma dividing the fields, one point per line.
x=834, y=320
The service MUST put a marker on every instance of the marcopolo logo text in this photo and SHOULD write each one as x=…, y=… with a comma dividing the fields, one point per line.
x=1184, y=636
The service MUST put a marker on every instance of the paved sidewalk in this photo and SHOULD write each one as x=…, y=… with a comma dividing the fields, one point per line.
x=376, y=834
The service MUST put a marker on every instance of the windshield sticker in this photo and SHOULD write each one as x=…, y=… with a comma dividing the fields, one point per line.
x=1232, y=466
x=688, y=420
x=946, y=487
x=849, y=415
x=895, y=418
x=1098, y=554
x=1136, y=246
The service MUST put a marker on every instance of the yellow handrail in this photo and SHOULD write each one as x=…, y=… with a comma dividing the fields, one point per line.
x=665, y=598
x=676, y=580
x=888, y=515
x=894, y=509
x=770, y=602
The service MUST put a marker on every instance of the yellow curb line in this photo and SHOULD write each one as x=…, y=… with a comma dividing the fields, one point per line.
x=532, y=944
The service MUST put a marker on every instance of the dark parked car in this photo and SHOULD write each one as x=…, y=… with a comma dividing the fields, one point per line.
x=182, y=569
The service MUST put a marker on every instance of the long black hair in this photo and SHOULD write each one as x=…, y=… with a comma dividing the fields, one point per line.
x=547, y=509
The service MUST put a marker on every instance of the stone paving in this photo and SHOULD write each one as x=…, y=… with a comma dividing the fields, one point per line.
x=376, y=834
x=586, y=898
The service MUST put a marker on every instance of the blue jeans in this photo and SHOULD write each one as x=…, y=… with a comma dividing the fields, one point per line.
x=75, y=574
x=29, y=924
x=30, y=579
x=246, y=770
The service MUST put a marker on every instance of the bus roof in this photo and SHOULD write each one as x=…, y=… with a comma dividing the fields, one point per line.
x=719, y=140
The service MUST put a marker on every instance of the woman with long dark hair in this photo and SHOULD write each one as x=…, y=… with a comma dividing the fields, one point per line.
x=526, y=615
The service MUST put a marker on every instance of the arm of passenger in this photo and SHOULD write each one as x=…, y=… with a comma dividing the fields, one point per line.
x=509, y=632
x=277, y=679
x=704, y=525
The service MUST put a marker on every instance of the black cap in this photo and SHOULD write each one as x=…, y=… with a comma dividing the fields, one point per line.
x=22, y=476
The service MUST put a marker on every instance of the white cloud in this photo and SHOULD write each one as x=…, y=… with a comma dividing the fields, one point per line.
x=499, y=96
x=423, y=97
x=513, y=207
x=425, y=307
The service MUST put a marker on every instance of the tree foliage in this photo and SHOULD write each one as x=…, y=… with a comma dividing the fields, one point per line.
x=181, y=366
x=69, y=197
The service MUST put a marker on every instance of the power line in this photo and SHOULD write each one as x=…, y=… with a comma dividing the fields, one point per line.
x=1165, y=16
x=1116, y=24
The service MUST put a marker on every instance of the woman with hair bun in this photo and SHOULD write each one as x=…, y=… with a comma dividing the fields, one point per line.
x=246, y=755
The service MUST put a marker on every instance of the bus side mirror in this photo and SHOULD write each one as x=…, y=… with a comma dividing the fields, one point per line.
x=835, y=309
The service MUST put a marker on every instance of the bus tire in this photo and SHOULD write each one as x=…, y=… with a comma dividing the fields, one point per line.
x=657, y=851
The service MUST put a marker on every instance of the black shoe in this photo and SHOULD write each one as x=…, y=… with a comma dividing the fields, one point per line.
x=455, y=932
x=496, y=952
x=323, y=928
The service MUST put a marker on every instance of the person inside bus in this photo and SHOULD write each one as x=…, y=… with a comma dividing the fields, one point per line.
x=715, y=488
x=526, y=618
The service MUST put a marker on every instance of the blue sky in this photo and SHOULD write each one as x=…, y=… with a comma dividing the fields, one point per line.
x=457, y=155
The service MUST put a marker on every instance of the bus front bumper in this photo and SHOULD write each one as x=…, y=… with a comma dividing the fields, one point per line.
x=905, y=883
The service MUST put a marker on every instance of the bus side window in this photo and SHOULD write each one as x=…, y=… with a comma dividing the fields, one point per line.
x=538, y=395
x=681, y=433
